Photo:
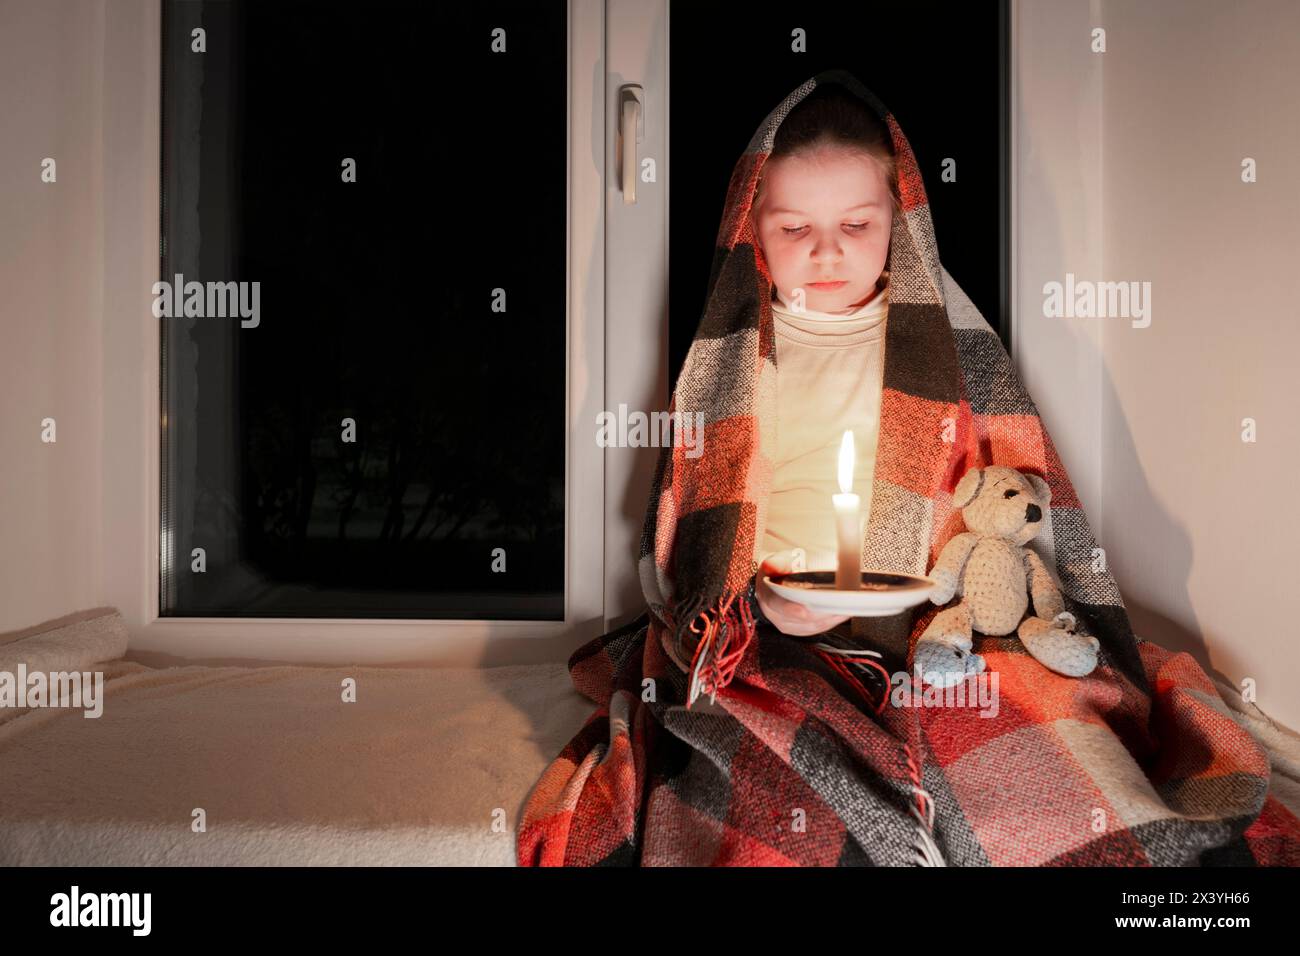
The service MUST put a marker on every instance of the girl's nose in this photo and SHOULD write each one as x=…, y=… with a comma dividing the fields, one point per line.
x=826, y=250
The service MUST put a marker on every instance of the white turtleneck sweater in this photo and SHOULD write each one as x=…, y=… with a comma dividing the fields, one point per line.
x=829, y=372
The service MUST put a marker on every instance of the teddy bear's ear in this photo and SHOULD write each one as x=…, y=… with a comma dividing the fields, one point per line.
x=1042, y=490
x=967, y=488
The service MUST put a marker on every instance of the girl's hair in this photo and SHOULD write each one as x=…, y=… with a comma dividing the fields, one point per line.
x=832, y=116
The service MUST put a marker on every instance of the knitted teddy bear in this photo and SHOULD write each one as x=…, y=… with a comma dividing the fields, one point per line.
x=995, y=577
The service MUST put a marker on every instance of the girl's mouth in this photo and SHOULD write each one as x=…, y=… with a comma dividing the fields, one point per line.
x=826, y=286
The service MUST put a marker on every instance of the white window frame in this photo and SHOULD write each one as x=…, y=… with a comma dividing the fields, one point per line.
x=130, y=460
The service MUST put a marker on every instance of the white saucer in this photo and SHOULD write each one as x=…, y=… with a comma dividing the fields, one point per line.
x=883, y=592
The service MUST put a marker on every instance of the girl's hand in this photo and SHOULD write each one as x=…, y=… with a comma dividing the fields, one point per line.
x=787, y=616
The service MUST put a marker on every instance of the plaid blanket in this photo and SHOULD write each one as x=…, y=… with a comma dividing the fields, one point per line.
x=719, y=741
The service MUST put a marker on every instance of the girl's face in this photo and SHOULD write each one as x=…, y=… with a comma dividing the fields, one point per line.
x=825, y=217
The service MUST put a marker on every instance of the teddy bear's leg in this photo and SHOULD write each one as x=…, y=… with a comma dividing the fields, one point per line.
x=1059, y=650
x=943, y=651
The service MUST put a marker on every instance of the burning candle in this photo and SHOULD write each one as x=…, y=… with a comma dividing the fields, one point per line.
x=848, y=523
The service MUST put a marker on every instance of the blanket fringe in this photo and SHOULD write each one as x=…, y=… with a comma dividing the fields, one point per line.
x=840, y=658
x=843, y=660
x=728, y=628
x=725, y=632
x=927, y=851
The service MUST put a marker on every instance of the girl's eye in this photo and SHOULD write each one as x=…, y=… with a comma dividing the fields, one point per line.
x=854, y=226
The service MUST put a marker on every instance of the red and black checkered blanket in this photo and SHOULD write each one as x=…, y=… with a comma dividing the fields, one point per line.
x=716, y=742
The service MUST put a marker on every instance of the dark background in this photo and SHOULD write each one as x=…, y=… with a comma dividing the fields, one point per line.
x=938, y=67
x=375, y=305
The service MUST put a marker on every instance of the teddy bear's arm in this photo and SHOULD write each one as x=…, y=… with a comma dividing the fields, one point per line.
x=956, y=551
x=1048, y=603
x=952, y=559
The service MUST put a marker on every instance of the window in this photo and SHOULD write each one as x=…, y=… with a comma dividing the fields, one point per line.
x=364, y=360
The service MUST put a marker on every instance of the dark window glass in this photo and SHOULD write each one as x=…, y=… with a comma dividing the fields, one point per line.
x=374, y=306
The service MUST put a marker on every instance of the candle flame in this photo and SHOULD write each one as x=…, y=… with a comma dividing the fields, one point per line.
x=846, y=462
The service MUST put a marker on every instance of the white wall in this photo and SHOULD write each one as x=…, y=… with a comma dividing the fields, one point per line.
x=1201, y=525
x=51, y=283
x=1131, y=170
x=1057, y=184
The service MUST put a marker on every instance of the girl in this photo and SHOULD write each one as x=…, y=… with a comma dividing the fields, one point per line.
x=722, y=740
x=822, y=220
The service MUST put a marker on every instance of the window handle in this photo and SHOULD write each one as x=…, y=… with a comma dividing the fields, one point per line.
x=631, y=132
